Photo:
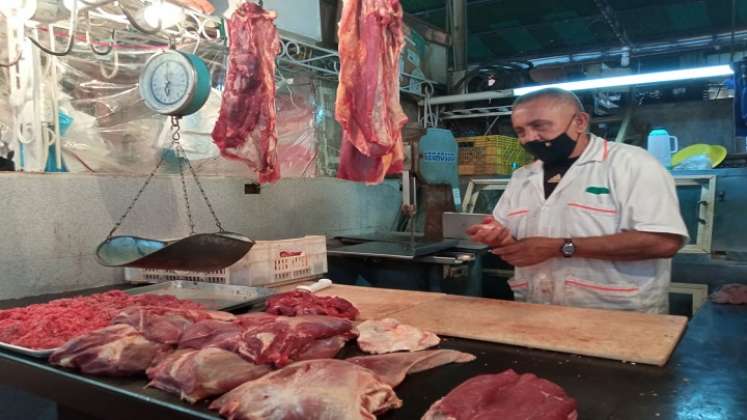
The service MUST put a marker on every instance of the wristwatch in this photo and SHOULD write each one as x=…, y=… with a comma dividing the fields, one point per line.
x=568, y=248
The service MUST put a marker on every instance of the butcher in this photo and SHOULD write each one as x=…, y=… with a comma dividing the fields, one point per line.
x=589, y=223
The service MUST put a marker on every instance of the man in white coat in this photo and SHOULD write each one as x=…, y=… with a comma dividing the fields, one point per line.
x=589, y=223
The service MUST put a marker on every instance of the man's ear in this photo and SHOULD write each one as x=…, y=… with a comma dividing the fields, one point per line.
x=582, y=121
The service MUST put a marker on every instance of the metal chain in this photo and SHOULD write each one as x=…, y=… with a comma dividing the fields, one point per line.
x=181, y=156
x=137, y=196
x=180, y=150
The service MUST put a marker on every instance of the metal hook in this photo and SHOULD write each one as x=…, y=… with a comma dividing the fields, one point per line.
x=71, y=34
x=105, y=51
x=14, y=62
x=196, y=38
x=114, y=72
x=91, y=45
x=96, y=3
x=139, y=27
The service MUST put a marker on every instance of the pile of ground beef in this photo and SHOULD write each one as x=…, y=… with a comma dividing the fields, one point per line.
x=49, y=325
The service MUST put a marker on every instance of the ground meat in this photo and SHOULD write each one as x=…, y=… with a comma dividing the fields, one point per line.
x=49, y=325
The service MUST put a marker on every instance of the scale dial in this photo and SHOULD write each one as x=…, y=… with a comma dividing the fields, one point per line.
x=174, y=83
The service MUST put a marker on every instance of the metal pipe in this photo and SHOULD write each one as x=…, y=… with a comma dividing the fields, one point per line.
x=458, y=34
x=468, y=97
x=643, y=49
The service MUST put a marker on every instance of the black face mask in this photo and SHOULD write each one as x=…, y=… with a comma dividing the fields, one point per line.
x=553, y=150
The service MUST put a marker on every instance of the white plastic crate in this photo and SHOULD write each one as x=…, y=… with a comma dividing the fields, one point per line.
x=268, y=262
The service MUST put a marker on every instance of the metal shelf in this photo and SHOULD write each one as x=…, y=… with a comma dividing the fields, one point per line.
x=296, y=53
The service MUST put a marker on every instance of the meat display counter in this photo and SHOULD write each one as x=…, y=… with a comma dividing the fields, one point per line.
x=705, y=378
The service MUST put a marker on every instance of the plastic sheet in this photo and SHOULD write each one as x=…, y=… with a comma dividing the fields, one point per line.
x=109, y=129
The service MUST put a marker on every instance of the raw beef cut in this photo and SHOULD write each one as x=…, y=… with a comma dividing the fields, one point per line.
x=506, y=396
x=305, y=303
x=285, y=339
x=198, y=374
x=311, y=390
x=117, y=350
x=255, y=319
x=735, y=294
x=211, y=333
x=325, y=348
x=392, y=368
x=165, y=325
x=245, y=129
x=51, y=324
x=388, y=335
x=367, y=107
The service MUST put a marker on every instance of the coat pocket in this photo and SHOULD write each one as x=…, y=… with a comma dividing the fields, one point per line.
x=585, y=293
x=520, y=287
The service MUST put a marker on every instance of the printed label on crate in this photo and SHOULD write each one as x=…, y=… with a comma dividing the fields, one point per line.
x=439, y=157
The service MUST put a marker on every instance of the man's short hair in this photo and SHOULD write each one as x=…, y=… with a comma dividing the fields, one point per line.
x=557, y=94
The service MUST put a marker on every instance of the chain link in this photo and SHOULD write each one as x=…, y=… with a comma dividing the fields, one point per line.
x=182, y=157
x=137, y=196
x=218, y=224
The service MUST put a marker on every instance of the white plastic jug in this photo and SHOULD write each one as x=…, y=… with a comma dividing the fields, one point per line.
x=661, y=145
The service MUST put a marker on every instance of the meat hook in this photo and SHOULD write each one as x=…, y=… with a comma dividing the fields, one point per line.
x=71, y=34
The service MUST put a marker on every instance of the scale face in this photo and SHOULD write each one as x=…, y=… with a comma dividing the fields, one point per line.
x=174, y=83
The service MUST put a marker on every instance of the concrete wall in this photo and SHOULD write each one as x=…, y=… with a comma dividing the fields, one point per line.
x=50, y=224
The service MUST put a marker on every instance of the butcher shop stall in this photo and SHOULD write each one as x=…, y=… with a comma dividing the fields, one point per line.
x=334, y=209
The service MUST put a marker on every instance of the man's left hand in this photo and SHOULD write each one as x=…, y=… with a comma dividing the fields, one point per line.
x=530, y=251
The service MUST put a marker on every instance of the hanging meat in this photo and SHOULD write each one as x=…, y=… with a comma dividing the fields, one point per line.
x=370, y=40
x=245, y=129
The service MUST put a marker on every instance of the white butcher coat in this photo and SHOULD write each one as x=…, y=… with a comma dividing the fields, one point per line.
x=611, y=188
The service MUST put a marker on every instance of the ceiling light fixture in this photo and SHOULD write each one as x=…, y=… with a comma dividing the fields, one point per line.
x=635, y=79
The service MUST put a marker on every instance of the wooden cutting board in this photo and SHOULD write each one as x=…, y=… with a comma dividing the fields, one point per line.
x=618, y=335
x=376, y=303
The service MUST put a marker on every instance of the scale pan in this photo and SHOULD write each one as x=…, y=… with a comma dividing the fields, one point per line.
x=198, y=252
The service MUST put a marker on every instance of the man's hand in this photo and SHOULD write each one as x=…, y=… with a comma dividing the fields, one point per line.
x=490, y=232
x=530, y=251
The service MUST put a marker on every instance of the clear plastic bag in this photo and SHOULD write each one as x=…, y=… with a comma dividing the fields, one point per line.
x=695, y=163
x=108, y=129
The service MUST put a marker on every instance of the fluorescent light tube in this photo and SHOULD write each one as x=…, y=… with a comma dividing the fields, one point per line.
x=635, y=79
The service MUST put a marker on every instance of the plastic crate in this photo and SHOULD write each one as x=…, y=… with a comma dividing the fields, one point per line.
x=267, y=263
x=490, y=155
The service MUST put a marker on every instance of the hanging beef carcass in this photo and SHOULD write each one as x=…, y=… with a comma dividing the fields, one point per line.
x=370, y=41
x=245, y=129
